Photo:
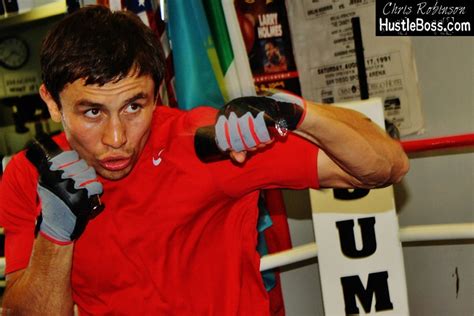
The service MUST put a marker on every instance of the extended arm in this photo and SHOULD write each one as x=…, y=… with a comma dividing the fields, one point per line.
x=44, y=287
x=69, y=195
x=355, y=152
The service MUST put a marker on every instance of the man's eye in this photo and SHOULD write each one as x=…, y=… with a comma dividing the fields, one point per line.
x=133, y=108
x=92, y=113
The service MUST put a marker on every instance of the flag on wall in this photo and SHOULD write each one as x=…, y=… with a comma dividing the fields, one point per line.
x=200, y=39
x=142, y=8
x=166, y=92
x=238, y=46
x=220, y=35
x=278, y=239
x=199, y=77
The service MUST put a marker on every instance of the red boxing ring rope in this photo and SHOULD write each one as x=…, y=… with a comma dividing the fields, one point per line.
x=461, y=231
x=413, y=146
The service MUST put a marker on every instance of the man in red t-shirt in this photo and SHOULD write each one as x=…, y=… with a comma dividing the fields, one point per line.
x=177, y=236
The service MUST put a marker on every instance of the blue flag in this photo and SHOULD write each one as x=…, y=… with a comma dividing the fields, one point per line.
x=200, y=68
x=198, y=75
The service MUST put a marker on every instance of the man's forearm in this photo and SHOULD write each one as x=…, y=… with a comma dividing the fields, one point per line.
x=44, y=287
x=355, y=144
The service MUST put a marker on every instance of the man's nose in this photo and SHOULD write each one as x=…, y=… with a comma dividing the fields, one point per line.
x=114, y=133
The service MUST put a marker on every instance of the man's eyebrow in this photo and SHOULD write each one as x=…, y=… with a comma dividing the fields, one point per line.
x=88, y=103
x=138, y=96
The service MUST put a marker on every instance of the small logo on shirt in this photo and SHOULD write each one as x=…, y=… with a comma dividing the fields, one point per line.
x=157, y=161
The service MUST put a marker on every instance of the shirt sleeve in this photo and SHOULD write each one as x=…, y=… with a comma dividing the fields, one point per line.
x=18, y=211
x=289, y=163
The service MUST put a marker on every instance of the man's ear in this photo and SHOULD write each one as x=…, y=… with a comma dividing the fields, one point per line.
x=53, y=107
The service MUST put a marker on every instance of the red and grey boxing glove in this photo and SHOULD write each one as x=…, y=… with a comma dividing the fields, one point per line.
x=246, y=122
x=69, y=191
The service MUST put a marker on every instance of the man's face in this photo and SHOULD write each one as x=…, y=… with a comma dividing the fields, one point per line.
x=107, y=125
x=273, y=55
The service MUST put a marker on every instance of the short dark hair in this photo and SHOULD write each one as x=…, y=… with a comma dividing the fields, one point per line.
x=99, y=46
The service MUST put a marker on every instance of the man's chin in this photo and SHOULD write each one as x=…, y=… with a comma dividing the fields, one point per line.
x=114, y=174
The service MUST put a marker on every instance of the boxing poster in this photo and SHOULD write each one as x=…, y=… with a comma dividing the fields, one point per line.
x=324, y=52
x=359, y=252
x=266, y=34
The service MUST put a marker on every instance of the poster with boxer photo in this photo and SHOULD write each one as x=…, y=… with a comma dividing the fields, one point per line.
x=266, y=34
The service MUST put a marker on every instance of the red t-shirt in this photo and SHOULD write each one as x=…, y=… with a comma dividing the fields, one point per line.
x=177, y=236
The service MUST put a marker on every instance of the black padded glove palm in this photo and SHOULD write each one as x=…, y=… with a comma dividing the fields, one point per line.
x=68, y=188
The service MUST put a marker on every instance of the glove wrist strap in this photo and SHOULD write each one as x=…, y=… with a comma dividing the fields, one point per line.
x=54, y=241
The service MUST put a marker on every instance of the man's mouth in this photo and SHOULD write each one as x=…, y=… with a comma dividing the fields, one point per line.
x=115, y=163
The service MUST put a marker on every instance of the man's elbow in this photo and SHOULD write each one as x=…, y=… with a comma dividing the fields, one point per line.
x=384, y=173
x=400, y=169
x=396, y=167
x=377, y=177
x=394, y=171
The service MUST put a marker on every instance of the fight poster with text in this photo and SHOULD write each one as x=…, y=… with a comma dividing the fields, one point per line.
x=266, y=34
x=325, y=57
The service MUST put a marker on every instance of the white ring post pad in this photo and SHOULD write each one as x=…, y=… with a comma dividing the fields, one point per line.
x=359, y=251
